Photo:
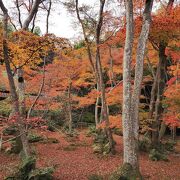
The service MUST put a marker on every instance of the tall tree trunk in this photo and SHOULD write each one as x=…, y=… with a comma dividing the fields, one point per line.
x=139, y=65
x=141, y=47
x=105, y=115
x=20, y=71
x=14, y=96
x=128, y=134
x=104, y=109
x=131, y=104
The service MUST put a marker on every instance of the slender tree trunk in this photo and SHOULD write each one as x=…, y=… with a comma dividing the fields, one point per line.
x=153, y=96
x=47, y=17
x=105, y=115
x=21, y=91
x=161, y=83
x=104, y=109
x=96, y=109
x=20, y=72
x=70, y=108
x=111, y=74
x=140, y=64
x=14, y=96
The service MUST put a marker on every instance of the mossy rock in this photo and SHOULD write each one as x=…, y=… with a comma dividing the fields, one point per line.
x=33, y=138
x=126, y=172
x=95, y=177
x=42, y=174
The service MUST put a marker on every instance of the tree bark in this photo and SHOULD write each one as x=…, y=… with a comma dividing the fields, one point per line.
x=47, y=17
x=161, y=83
x=105, y=115
x=31, y=14
x=128, y=139
x=21, y=91
x=14, y=96
x=140, y=65
x=20, y=71
x=111, y=74
x=70, y=107
x=130, y=114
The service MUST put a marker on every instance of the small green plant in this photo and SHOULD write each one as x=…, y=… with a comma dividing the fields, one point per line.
x=32, y=138
x=125, y=172
x=156, y=155
x=41, y=174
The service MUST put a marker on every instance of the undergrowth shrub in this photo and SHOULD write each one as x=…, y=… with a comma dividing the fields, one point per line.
x=156, y=155
x=32, y=138
x=28, y=171
x=158, y=152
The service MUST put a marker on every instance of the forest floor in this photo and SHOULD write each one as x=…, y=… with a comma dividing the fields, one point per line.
x=74, y=159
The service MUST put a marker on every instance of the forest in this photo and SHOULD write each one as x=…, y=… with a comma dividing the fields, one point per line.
x=104, y=105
